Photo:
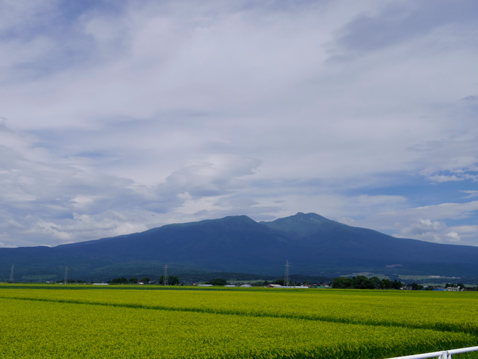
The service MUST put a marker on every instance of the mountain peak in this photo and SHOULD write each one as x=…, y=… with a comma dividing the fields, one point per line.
x=300, y=223
x=308, y=216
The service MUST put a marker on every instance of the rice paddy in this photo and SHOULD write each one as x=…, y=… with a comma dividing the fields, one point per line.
x=128, y=322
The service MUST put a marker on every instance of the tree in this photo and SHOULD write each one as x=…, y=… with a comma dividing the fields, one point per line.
x=133, y=280
x=386, y=284
x=122, y=280
x=397, y=284
x=279, y=281
x=217, y=281
x=362, y=282
x=342, y=282
x=416, y=286
x=376, y=282
x=172, y=280
x=145, y=280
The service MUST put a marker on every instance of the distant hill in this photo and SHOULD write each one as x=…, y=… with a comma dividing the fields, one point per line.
x=312, y=244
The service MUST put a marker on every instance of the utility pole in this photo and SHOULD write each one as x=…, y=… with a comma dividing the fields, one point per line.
x=165, y=276
x=286, y=277
x=12, y=278
x=65, y=279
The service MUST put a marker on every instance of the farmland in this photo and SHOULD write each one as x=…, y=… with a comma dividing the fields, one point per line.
x=127, y=322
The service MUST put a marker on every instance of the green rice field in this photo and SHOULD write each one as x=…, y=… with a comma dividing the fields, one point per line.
x=54, y=321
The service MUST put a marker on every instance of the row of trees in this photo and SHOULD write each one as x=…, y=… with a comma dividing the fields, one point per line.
x=217, y=281
x=362, y=282
x=357, y=282
x=171, y=280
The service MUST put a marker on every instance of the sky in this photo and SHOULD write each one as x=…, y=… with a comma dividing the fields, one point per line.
x=120, y=116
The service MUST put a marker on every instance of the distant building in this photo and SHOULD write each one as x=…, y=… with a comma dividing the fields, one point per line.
x=287, y=286
x=453, y=289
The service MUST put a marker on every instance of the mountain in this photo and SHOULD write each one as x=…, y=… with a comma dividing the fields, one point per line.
x=313, y=245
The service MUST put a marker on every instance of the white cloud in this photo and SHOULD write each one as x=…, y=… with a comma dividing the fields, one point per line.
x=431, y=231
x=471, y=194
x=427, y=223
x=174, y=111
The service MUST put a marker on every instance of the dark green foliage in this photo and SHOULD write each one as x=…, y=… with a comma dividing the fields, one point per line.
x=416, y=286
x=171, y=280
x=121, y=280
x=342, y=283
x=217, y=281
x=362, y=282
x=396, y=284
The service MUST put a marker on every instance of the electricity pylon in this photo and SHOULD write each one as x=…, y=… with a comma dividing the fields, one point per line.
x=12, y=278
x=65, y=279
x=286, y=277
x=165, y=276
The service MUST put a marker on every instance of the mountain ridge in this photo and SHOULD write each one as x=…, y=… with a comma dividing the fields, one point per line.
x=314, y=245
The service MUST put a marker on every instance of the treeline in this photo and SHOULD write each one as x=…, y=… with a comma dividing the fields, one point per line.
x=170, y=280
x=362, y=282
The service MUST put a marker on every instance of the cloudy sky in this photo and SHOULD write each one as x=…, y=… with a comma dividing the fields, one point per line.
x=120, y=116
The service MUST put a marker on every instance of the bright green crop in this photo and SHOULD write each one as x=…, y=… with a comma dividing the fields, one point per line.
x=451, y=311
x=125, y=323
